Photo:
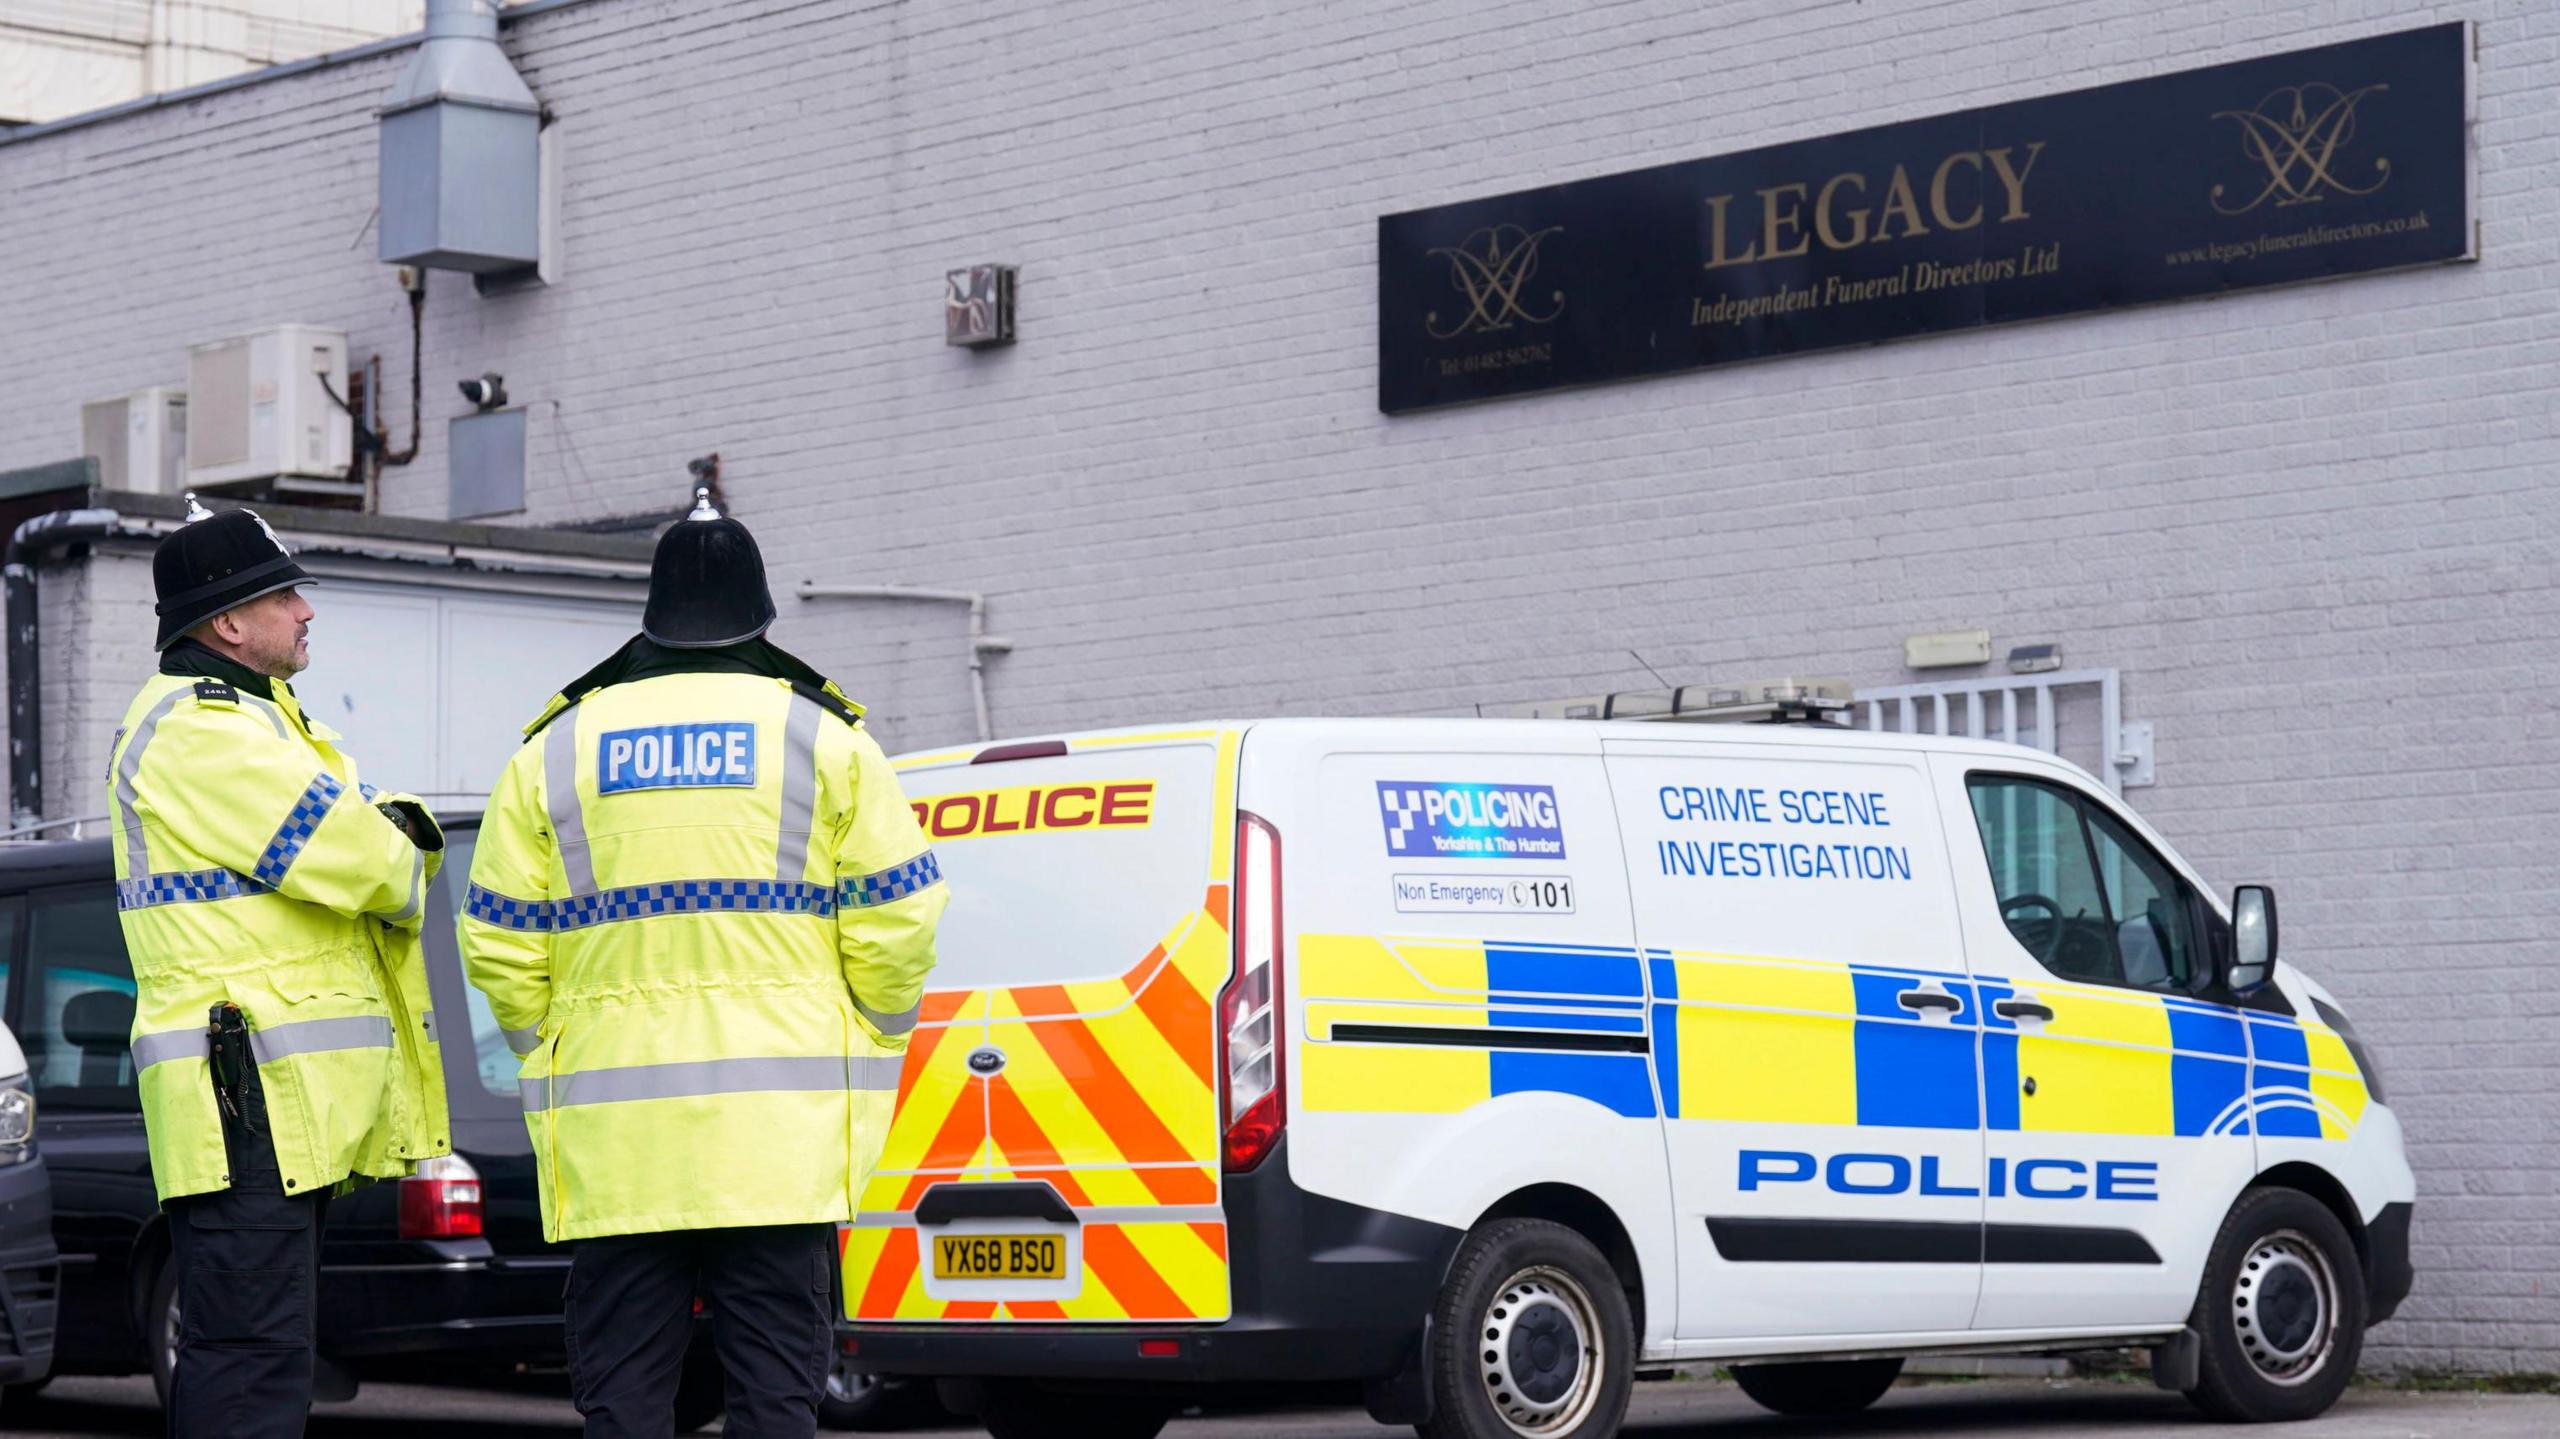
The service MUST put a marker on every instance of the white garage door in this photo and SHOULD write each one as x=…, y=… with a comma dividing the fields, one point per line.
x=433, y=687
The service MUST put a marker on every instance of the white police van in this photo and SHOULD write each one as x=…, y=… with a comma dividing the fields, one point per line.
x=1492, y=1065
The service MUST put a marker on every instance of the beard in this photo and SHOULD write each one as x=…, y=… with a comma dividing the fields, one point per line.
x=284, y=660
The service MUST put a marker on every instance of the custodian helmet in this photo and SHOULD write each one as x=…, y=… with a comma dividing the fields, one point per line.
x=214, y=563
x=706, y=584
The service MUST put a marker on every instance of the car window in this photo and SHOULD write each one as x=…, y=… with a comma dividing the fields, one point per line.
x=490, y=1062
x=2078, y=892
x=2043, y=875
x=2154, y=917
x=11, y=912
x=79, y=1009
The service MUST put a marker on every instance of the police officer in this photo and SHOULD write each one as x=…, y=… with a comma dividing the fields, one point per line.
x=282, y=1036
x=704, y=913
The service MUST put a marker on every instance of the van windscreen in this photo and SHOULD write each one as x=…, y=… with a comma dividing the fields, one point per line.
x=1067, y=867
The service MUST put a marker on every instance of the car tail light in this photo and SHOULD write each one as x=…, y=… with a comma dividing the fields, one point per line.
x=441, y=1200
x=1249, y=1011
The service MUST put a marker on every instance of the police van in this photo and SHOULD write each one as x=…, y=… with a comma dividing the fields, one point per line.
x=1484, y=1067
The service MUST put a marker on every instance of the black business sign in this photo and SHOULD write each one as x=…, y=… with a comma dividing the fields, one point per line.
x=2323, y=162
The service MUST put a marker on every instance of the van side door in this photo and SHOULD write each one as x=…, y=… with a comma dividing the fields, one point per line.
x=2116, y=1083
x=1814, y=1036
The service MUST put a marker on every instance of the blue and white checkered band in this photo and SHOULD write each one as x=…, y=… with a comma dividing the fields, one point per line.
x=692, y=896
x=184, y=887
x=1403, y=808
x=296, y=830
x=894, y=883
x=506, y=911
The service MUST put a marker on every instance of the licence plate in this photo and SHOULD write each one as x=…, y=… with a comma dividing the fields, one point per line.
x=999, y=1256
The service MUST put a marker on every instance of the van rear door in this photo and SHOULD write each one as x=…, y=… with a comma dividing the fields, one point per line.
x=1055, y=1150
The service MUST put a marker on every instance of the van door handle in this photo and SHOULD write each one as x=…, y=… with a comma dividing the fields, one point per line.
x=1919, y=999
x=2022, y=1009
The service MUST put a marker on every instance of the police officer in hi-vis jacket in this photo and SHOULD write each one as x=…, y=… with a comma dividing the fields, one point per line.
x=704, y=913
x=283, y=1038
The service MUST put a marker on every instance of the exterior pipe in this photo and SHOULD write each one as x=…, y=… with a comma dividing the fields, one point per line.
x=26, y=655
x=981, y=644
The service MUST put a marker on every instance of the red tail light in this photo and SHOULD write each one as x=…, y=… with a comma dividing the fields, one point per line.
x=1250, y=1047
x=441, y=1200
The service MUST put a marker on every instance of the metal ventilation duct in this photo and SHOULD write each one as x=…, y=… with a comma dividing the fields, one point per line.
x=461, y=165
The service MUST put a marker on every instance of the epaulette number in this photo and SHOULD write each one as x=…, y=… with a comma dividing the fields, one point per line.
x=217, y=690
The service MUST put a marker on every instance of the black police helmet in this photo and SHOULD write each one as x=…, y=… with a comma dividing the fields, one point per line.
x=214, y=563
x=706, y=584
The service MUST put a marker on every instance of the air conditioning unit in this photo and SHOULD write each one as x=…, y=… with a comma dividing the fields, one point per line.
x=139, y=440
x=265, y=407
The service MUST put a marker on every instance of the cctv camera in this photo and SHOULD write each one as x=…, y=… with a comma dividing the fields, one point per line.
x=487, y=392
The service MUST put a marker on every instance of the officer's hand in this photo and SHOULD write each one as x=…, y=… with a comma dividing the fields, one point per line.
x=399, y=815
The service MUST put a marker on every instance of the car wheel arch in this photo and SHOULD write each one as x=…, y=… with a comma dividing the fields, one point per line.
x=1588, y=1215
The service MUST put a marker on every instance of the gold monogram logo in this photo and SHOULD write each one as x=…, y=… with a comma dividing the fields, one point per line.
x=2297, y=132
x=1489, y=268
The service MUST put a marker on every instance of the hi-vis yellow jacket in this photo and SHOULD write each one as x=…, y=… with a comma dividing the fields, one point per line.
x=704, y=913
x=253, y=868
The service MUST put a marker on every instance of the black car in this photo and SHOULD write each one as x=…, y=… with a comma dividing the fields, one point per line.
x=444, y=1275
x=28, y=1271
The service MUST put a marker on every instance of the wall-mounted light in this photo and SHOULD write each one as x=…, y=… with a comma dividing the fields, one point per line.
x=2034, y=659
x=1946, y=649
x=977, y=306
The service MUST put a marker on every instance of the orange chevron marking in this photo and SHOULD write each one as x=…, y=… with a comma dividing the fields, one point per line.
x=1182, y=1017
x=970, y=1309
x=1110, y=1257
x=941, y=1004
x=1099, y=1085
x=1033, y=1309
x=1215, y=1236
x=920, y=1048
x=889, y=1277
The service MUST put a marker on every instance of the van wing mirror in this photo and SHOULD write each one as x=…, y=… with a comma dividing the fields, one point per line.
x=2253, y=939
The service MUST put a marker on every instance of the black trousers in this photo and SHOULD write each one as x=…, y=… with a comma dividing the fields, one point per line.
x=771, y=1293
x=248, y=1264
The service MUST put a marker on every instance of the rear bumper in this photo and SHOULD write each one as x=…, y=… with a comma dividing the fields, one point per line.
x=30, y=1273
x=2388, y=1271
x=1323, y=1291
x=506, y=1312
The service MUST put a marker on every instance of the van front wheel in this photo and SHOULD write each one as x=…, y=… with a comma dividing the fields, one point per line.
x=2281, y=1311
x=1533, y=1338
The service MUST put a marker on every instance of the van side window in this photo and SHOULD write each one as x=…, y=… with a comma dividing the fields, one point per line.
x=2079, y=892
x=79, y=1006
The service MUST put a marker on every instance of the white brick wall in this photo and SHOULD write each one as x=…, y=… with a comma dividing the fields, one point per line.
x=2313, y=527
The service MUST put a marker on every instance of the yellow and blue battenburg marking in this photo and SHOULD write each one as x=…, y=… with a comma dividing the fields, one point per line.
x=1440, y=1025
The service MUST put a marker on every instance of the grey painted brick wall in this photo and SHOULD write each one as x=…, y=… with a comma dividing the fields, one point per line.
x=2313, y=528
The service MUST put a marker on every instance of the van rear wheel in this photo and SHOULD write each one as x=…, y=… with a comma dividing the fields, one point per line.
x=1838, y=1386
x=1533, y=1338
x=2281, y=1312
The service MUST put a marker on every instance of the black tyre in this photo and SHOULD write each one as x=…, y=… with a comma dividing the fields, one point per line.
x=871, y=1403
x=1533, y=1338
x=1838, y=1386
x=161, y=1328
x=2281, y=1311
x=1024, y=1411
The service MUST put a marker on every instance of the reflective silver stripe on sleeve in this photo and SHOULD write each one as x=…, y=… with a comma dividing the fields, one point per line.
x=427, y=1022
x=128, y=817
x=275, y=714
x=799, y=790
x=417, y=887
x=560, y=794
x=314, y=1036
x=524, y=1041
x=890, y=1024
x=696, y=1078
x=168, y=1044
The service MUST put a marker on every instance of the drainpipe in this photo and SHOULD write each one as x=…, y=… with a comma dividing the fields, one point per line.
x=981, y=644
x=26, y=708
